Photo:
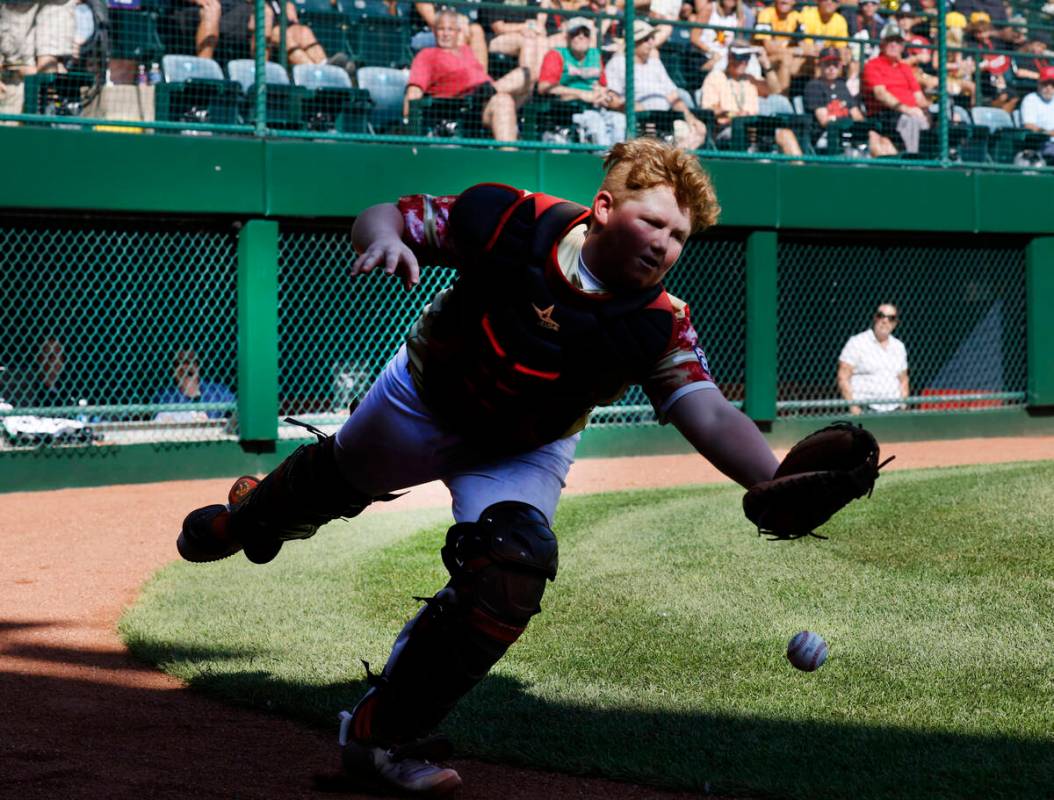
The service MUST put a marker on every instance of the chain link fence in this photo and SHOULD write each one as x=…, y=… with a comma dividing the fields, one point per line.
x=737, y=80
x=124, y=331
x=961, y=316
x=116, y=333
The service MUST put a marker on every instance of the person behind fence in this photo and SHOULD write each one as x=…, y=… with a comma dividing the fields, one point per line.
x=188, y=387
x=238, y=27
x=788, y=56
x=557, y=308
x=471, y=31
x=731, y=93
x=450, y=70
x=873, y=365
x=574, y=74
x=198, y=21
x=1037, y=110
x=654, y=90
x=891, y=92
x=34, y=37
x=828, y=98
x=50, y=379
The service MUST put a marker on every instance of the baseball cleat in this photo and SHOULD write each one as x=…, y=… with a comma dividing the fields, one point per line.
x=206, y=534
x=406, y=770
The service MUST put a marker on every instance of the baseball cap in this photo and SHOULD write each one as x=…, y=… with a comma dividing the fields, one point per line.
x=869, y=2
x=830, y=54
x=905, y=10
x=980, y=16
x=891, y=31
x=575, y=23
x=641, y=31
x=953, y=19
x=1046, y=74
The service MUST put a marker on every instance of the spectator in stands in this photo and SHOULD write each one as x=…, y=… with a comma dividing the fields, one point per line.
x=824, y=19
x=731, y=93
x=727, y=14
x=522, y=35
x=865, y=26
x=961, y=68
x=575, y=74
x=189, y=387
x=873, y=365
x=788, y=56
x=1037, y=109
x=34, y=37
x=653, y=88
x=1033, y=57
x=238, y=26
x=993, y=69
x=199, y=21
x=451, y=70
x=827, y=98
x=49, y=381
x=922, y=61
x=891, y=92
x=470, y=28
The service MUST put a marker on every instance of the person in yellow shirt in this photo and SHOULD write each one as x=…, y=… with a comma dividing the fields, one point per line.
x=785, y=53
x=823, y=19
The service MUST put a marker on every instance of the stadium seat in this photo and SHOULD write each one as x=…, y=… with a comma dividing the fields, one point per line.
x=283, y=100
x=56, y=93
x=330, y=22
x=542, y=114
x=386, y=87
x=133, y=33
x=381, y=42
x=1006, y=140
x=329, y=102
x=194, y=90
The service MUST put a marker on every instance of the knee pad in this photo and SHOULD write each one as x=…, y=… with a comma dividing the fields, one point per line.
x=499, y=565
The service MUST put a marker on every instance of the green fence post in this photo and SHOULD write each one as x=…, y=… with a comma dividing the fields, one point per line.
x=760, y=388
x=258, y=331
x=1039, y=272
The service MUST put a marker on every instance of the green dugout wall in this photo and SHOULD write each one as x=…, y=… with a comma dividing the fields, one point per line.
x=800, y=258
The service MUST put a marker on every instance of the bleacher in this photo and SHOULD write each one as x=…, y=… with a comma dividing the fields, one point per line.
x=370, y=44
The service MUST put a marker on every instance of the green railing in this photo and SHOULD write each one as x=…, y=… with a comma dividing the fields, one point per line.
x=339, y=71
x=125, y=331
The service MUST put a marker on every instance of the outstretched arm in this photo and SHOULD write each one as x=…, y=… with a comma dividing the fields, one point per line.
x=378, y=238
x=725, y=436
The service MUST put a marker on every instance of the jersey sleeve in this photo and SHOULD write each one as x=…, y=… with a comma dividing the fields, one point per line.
x=682, y=369
x=426, y=227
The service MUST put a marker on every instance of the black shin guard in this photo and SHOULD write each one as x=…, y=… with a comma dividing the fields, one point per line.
x=499, y=567
x=300, y=495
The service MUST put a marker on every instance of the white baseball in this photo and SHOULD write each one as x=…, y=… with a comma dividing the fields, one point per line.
x=807, y=651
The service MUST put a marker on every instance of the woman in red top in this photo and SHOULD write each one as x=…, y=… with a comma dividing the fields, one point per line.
x=993, y=89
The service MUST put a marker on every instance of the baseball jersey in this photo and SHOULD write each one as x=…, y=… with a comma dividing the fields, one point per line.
x=876, y=369
x=769, y=20
x=836, y=25
x=682, y=369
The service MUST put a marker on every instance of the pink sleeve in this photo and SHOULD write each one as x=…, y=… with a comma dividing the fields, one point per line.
x=426, y=227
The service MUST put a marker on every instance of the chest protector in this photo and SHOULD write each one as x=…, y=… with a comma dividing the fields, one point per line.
x=518, y=355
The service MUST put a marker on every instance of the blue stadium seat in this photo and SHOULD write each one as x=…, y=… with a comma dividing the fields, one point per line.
x=194, y=90
x=386, y=87
x=283, y=100
x=330, y=102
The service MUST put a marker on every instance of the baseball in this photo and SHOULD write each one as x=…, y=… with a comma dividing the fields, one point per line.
x=807, y=651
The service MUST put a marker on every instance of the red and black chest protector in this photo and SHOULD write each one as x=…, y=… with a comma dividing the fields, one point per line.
x=517, y=354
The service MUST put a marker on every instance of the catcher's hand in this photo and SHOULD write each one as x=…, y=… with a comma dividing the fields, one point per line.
x=820, y=475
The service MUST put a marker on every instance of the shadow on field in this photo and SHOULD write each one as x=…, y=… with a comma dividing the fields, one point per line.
x=502, y=721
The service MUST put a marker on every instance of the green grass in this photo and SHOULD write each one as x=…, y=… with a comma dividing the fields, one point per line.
x=659, y=657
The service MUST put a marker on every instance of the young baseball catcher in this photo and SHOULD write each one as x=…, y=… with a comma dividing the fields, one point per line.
x=556, y=309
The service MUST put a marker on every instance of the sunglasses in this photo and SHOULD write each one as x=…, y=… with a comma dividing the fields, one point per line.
x=578, y=32
x=890, y=317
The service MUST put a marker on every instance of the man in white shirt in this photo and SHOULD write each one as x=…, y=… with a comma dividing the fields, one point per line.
x=873, y=364
x=1037, y=109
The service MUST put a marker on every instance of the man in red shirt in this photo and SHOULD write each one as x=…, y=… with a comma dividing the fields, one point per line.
x=451, y=70
x=891, y=91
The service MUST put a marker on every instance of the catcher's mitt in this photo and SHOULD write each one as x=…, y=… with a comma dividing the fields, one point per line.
x=820, y=475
